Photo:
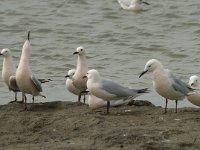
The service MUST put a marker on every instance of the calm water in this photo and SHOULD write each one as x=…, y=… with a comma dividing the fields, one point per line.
x=118, y=42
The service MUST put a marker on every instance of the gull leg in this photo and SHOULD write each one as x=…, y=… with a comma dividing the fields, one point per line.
x=22, y=101
x=15, y=98
x=166, y=106
x=176, y=106
x=108, y=106
x=84, y=99
x=33, y=98
x=79, y=98
x=25, y=102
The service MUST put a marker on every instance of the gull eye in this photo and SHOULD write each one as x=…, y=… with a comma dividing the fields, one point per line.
x=149, y=66
x=81, y=49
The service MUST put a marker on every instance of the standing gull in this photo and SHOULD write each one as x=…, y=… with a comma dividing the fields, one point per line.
x=165, y=83
x=134, y=5
x=8, y=72
x=109, y=90
x=194, y=84
x=81, y=70
x=26, y=81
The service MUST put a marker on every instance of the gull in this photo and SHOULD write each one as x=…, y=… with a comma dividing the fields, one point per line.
x=134, y=5
x=26, y=81
x=81, y=70
x=69, y=82
x=165, y=83
x=109, y=90
x=8, y=72
x=194, y=84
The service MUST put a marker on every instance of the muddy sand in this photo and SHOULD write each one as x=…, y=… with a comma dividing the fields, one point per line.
x=71, y=126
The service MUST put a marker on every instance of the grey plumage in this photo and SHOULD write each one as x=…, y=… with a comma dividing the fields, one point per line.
x=37, y=83
x=120, y=91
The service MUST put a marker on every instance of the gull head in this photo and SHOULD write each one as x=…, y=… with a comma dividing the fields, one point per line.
x=92, y=74
x=194, y=81
x=5, y=52
x=151, y=66
x=80, y=51
x=70, y=73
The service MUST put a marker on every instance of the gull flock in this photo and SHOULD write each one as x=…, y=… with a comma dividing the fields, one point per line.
x=101, y=92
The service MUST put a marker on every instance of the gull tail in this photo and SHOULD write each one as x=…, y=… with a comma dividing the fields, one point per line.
x=140, y=91
x=44, y=80
x=85, y=92
x=42, y=96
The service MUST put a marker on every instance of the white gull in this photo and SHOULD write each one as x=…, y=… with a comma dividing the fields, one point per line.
x=109, y=90
x=195, y=84
x=26, y=81
x=165, y=83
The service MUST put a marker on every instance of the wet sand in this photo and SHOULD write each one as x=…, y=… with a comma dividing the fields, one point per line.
x=71, y=126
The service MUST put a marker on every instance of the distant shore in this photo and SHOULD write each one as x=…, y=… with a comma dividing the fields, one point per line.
x=68, y=125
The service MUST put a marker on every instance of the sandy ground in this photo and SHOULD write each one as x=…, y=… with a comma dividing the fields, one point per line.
x=71, y=126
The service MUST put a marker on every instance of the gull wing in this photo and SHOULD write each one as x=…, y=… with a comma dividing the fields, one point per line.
x=13, y=84
x=36, y=83
x=116, y=89
x=179, y=85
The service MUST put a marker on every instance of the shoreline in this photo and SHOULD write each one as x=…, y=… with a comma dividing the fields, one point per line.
x=69, y=125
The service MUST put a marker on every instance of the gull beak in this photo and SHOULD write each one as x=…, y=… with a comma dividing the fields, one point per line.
x=84, y=76
x=75, y=53
x=67, y=76
x=146, y=3
x=1, y=54
x=28, y=38
x=143, y=73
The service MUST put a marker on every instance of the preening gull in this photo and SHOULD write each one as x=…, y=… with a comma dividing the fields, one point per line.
x=69, y=82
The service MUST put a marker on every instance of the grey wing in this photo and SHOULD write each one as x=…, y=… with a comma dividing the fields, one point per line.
x=117, y=89
x=179, y=85
x=13, y=84
x=36, y=83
